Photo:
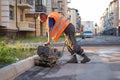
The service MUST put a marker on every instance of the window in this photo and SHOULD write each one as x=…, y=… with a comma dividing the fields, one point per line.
x=30, y=2
x=38, y=2
x=11, y=14
x=39, y=7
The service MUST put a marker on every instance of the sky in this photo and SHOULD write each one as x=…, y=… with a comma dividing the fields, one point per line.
x=90, y=10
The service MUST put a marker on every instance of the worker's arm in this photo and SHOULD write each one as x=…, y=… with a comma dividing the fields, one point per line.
x=49, y=34
x=50, y=26
x=49, y=37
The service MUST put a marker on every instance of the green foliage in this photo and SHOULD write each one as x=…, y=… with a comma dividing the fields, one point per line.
x=62, y=38
x=32, y=39
x=78, y=36
x=10, y=54
x=28, y=39
x=12, y=51
x=6, y=54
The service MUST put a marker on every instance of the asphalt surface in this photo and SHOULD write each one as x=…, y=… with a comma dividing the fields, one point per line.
x=101, y=67
x=104, y=64
x=96, y=41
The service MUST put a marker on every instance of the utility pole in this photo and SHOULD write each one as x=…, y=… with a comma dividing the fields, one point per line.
x=35, y=17
x=40, y=21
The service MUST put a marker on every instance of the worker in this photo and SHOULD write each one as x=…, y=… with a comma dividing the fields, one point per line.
x=58, y=24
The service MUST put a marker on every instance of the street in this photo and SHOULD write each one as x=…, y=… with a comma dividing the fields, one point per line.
x=104, y=64
x=26, y=25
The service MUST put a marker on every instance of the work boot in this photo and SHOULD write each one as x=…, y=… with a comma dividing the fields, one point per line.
x=73, y=59
x=85, y=58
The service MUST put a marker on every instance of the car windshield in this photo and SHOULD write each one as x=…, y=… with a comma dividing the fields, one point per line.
x=87, y=32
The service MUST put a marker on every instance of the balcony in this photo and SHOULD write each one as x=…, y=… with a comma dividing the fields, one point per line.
x=11, y=2
x=60, y=10
x=26, y=26
x=60, y=1
x=55, y=6
x=24, y=4
x=40, y=8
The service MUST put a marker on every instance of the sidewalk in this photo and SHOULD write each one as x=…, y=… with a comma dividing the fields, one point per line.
x=94, y=70
x=101, y=67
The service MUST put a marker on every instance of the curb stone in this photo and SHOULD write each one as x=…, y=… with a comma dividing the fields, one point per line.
x=10, y=72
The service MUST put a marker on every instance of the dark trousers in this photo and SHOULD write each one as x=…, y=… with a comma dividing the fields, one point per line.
x=71, y=42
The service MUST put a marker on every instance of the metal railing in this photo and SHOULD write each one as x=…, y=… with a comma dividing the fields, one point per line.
x=26, y=25
x=30, y=2
x=40, y=8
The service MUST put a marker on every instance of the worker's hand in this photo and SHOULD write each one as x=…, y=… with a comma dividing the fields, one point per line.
x=47, y=43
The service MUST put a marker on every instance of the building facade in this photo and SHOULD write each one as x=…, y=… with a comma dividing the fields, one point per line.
x=101, y=27
x=13, y=17
x=59, y=6
x=19, y=17
x=111, y=19
x=74, y=17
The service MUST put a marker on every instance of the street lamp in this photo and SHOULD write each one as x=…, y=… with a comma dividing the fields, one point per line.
x=35, y=17
x=117, y=34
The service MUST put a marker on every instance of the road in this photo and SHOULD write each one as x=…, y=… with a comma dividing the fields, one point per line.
x=96, y=41
x=104, y=64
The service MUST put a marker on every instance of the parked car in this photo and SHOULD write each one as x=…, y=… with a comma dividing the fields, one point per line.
x=87, y=34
